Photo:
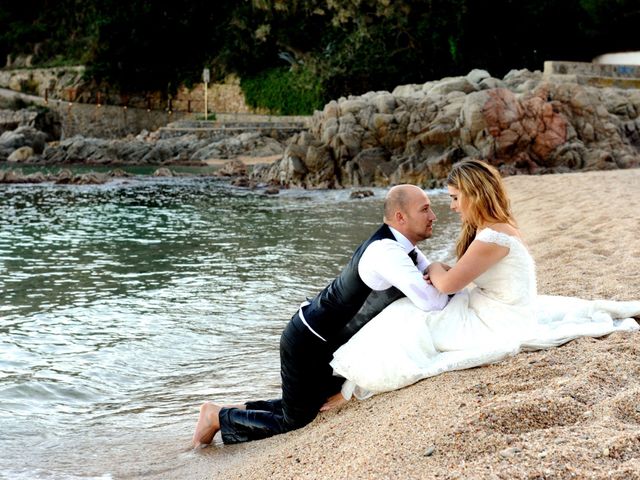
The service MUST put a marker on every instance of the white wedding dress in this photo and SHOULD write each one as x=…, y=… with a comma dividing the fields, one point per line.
x=500, y=316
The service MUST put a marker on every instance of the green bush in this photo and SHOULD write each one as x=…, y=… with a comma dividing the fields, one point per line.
x=284, y=91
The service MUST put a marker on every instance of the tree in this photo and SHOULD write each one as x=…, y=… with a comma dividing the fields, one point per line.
x=341, y=46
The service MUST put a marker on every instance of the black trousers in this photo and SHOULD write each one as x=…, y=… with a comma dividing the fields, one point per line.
x=307, y=382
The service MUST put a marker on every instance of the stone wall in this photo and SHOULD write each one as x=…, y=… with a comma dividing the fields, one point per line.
x=104, y=121
x=67, y=84
x=224, y=97
x=90, y=111
x=55, y=83
x=591, y=69
x=109, y=121
x=594, y=74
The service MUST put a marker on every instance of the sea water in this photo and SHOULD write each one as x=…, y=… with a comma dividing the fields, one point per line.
x=126, y=305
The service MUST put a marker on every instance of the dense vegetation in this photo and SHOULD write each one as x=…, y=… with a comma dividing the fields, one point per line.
x=293, y=55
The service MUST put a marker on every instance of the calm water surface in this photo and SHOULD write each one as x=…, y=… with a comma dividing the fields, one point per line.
x=125, y=305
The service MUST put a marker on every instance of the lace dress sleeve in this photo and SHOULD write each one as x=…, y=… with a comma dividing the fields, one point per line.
x=491, y=236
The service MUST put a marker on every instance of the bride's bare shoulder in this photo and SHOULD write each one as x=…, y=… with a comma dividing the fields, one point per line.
x=505, y=228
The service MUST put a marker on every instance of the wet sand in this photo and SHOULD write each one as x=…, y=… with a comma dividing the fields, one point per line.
x=568, y=412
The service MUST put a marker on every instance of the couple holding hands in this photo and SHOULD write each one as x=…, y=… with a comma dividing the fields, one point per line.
x=391, y=318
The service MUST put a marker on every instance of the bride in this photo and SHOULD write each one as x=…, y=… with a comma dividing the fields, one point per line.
x=497, y=316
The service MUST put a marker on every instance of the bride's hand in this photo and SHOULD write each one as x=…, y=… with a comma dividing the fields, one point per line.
x=334, y=401
x=426, y=274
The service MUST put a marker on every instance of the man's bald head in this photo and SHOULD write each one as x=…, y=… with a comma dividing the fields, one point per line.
x=408, y=210
x=398, y=199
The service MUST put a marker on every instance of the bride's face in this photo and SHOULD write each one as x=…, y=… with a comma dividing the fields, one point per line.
x=457, y=201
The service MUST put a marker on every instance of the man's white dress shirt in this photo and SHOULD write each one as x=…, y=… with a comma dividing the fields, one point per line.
x=385, y=264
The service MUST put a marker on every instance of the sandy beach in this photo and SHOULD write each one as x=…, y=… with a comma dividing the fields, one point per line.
x=568, y=412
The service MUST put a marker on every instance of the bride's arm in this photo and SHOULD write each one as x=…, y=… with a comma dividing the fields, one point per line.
x=478, y=258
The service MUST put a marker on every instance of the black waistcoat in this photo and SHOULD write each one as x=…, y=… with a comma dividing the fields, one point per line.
x=347, y=303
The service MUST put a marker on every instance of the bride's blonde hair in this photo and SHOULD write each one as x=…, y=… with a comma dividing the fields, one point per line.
x=484, y=195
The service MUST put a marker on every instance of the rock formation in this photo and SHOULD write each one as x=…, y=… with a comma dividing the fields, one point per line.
x=145, y=149
x=521, y=124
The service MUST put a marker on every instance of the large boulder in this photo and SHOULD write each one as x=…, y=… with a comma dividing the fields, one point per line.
x=364, y=168
x=42, y=119
x=252, y=144
x=24, y=136
x=20, y=155
x=233, y=168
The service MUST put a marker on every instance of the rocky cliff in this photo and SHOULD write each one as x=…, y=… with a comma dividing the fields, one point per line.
x=522, y=123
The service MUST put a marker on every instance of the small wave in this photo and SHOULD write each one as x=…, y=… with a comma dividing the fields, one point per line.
x=39, y=474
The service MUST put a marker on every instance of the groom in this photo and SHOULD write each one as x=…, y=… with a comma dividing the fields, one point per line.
x=384, y=268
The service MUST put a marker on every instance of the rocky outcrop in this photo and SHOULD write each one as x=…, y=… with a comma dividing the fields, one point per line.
x=43, y=119
x=129, y=151
x=247, y=143
x=24, y=133
x=64, y=177
x=144, y=149
x=520, y=123
x=22, y=144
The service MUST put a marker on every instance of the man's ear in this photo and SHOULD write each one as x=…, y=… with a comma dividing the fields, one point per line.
x=399, y=216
